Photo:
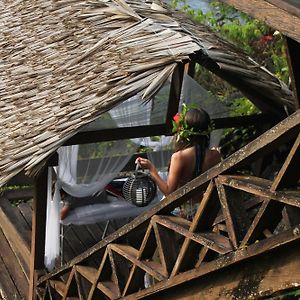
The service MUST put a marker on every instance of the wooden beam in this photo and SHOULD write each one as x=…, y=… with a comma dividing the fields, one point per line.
x=259, y=190
x=116, y=134
x=288, y=176
x=209, y=207
x=234, y=213
x=257, y=120
x=291, y=6
x=293, y=50
x=38, y=230
x=274, y=16
x=17, y=194
x=174, y=96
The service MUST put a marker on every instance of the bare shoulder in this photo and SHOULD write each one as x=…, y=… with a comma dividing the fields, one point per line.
x=178, y=155
x=212, y=157
x=182, y=156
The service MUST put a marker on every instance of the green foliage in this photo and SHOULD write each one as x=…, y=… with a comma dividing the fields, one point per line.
x=242, y=107
x=251, y=35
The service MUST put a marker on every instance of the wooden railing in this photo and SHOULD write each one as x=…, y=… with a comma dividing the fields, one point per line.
x=238, y=218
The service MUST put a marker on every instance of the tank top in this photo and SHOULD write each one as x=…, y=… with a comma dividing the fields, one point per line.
x=199, y=161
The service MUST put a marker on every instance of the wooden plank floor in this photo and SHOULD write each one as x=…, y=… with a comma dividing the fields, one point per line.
x=15, y=239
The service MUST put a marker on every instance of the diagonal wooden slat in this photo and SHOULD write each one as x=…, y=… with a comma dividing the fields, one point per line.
x=109, y=289
x=206, y=253
x=135, y=280
x=122, y=269
x=114, y=266
x=271, y=208
x=231, y=228
x=58, y=286
x=48, y=294
x=167, y=245
x=289, y=173
x=88, y=272
x=236, y=218
x=151, y=267
x=121, y=255
x=148, y=245
x=285, y=197
x=146, y=251
x=71, y=288
x=292, y=215
x=127, y=251
x=106, y=274
x=174, y=221
x=207, y=211
x=206, y=239
x=208, y=207
x=105, y=285
x=249, y=205
x=102, y=279
x=260, y=224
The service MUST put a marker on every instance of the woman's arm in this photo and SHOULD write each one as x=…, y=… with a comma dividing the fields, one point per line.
x=169, y=186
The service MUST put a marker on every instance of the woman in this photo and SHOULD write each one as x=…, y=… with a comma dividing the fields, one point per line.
x=192, y=155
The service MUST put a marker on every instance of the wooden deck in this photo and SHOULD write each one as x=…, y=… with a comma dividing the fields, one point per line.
x=15, y=240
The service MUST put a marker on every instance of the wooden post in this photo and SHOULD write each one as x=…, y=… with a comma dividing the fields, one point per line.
x=174, y=96
x=38, y=230
x=189, y=68
x=293, y=48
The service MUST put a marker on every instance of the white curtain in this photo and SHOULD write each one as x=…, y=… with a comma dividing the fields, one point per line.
x=85, y=179
x=52, y=246
x=132, y=112
x=88, y=178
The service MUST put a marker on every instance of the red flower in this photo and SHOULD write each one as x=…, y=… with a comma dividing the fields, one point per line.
x=176, y=118
x=266, y=39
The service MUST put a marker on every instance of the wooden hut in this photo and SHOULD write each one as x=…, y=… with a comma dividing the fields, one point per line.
x=64, y=63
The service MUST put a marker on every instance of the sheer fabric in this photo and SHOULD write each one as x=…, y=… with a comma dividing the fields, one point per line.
x=52, y=245
x=78, y=175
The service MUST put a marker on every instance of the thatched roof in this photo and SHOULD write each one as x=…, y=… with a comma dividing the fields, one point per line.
x=65, y=62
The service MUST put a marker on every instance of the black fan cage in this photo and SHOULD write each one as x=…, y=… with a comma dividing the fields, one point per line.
x=139, y=189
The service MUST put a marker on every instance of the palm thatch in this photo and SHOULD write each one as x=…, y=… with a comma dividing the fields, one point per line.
x=65, y=62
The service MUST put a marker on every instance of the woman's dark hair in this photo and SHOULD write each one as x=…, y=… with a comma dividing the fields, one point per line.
x=198, y=120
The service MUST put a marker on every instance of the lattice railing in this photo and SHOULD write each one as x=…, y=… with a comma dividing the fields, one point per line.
x=240, y=214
